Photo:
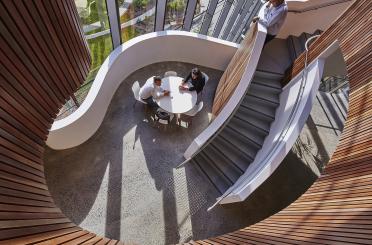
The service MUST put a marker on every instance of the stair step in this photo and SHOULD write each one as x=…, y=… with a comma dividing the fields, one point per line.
x=265, y=75
x=240, y=142
x=268, y=86
x=222, y=162
x=215, y=176
x=253, y=118
x=233, y=152
x=257, y=91
x=249, y=131
x=261, y=106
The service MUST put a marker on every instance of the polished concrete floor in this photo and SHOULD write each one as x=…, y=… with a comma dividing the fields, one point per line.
x=122, y=183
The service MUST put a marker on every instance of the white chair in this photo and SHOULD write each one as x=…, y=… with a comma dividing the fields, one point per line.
x=170, y=73
x=205, y=83
x=206, y=77
x=187, y=116
x=136, y=89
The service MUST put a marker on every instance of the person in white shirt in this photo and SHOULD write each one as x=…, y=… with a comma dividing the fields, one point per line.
x=152, y=90
x=273, y=18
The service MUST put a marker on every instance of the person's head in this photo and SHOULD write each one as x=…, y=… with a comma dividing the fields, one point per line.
x=195, y=73
x=157, y=81
x=276, y=2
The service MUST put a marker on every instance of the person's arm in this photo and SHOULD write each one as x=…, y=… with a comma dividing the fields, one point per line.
x=157, y=92
x=198, y=85
x=187, y=78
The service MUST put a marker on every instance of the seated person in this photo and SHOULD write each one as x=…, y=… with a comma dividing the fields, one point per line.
x=152, y=90
x=196, y=79
x=273, y=18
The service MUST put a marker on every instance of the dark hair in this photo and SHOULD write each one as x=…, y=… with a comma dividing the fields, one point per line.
x=196, y=72
x=156, y=78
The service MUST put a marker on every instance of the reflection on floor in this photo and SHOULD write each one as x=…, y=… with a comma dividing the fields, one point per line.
x=122, y=183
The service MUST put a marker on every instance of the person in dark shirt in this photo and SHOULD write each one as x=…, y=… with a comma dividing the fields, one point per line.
x=196, y=79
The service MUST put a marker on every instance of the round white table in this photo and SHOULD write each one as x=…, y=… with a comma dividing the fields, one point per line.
x=178, y=101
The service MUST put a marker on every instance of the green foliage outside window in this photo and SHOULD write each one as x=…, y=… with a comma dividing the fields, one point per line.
x=140, y=4
x=176, y=5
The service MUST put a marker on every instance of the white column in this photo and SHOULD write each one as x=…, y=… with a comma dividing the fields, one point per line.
x=113, y=14
x=160, y=14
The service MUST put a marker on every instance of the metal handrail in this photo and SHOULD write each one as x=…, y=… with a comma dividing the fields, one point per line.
x=284, y=132
x=332, y=83
x=342, y=84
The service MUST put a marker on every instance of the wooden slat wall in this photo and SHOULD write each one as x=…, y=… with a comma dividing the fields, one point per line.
x=337, y=209
x=234, y=72
x=43, y=60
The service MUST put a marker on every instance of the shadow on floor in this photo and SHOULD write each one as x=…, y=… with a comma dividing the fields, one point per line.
x=120, y=182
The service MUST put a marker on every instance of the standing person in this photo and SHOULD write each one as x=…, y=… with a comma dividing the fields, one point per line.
x=196, y=79
x=273, y=18
x=152, y=90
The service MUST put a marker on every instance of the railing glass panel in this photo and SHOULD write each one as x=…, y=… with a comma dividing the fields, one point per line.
x=174, y=14
x=137, y=17
x=94, y=20
x=200, y=10
x=215, y=17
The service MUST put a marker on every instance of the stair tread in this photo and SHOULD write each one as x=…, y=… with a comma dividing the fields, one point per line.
x=261, y=106
x=233, y=152
x=240, y=142
x=224, y=164
x=254, y=118
x=258, y=91
x=248, y=131
x=269, y=86
x=214, y=175
x=274, y=77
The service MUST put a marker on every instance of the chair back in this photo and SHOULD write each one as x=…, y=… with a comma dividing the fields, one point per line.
x=170, y=73
x=205, y=77
x=195, y=110
x=136, y=89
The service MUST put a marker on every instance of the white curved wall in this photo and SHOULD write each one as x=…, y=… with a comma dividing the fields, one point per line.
x=137, y=53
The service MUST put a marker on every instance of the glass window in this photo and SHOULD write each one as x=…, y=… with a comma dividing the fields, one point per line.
x=174, y=14
x=231, y=11
x=96, y=27
x=215, y=17
x=137, y=17
x=94, y=19
x=200, y=10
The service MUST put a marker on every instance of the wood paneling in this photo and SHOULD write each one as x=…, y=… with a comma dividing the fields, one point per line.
x=234, y=72
x=337, y=209
x=44, y=59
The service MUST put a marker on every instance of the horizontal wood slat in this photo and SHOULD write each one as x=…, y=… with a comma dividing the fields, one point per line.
x=234, y=72
x=44, y=59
